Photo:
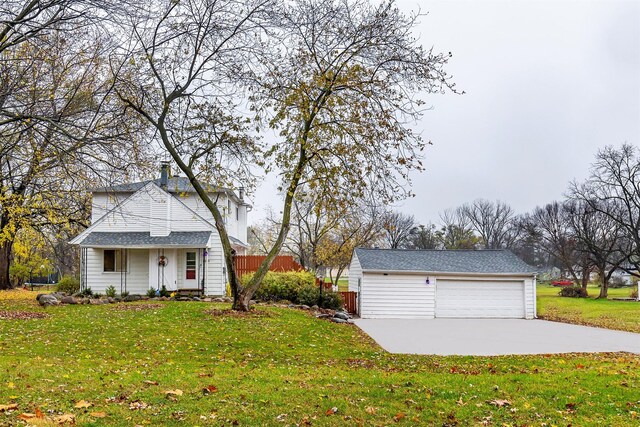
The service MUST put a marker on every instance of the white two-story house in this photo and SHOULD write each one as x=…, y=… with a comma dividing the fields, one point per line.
x=149, y=234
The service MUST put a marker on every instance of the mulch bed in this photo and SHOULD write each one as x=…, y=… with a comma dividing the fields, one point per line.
x=21, y=315
x=137, y=307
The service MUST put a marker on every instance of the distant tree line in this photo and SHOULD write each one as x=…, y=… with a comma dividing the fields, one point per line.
x=596, y=228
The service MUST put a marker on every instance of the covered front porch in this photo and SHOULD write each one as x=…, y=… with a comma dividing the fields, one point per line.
x=137, y=263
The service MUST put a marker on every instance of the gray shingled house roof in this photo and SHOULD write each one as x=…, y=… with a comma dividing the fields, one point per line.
x=144, y=239
x=175, y=184
x=442, y=261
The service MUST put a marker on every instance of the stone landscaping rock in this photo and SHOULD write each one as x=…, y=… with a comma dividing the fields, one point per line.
x=322, y=316
x=305, y=307
x=227, y=299
x=314, y=307
x=196, y=299
x=218, y=300
x=252, y=302
x=183, y=299
x=338, y=320
x=97, y=301
x=68, y=300
x=47, y=299
x=207, y=299
x=130, y=298
x=144, y=298
x=58, y=295
x=111, y=300
x=341, y=315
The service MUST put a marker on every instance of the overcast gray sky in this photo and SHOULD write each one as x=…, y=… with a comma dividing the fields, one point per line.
x=547, y=84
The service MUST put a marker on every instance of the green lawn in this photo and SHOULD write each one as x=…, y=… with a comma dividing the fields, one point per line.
x=281, y=367
x=622, y=315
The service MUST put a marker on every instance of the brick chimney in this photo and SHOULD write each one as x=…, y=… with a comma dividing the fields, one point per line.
x=165, y=172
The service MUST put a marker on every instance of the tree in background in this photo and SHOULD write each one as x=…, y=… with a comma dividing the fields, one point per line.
x=455, y=231
x=550, y=227
x=397, y=228
x=494, y=222
x=601, y=239
x=60, y=129
x=423, y=237
x=361, y=227
x=613, y=190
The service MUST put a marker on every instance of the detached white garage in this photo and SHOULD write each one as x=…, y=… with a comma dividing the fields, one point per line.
x=396, y=283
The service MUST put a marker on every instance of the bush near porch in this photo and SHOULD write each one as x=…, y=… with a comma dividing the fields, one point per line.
x=273, y=366
x=298, y=287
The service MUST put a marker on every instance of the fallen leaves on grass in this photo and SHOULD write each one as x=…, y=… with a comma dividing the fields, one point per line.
x=136, y=307
x=9, y=407
x=150, y=382
x=82, y=404
x=399, y=416
x=239, y=314
x=210, y=389
x=172, y=394
x=21, y=315
x=499, y=402
x=98, y=414
x=137, y=404
x=331, y=411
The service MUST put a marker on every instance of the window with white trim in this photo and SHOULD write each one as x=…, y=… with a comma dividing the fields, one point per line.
x=114, y=260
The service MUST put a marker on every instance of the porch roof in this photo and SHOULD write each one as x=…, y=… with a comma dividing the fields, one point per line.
x=184, y=239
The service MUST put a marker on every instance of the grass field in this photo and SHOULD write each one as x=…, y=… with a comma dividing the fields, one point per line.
x=621, y=315
x=180, y=363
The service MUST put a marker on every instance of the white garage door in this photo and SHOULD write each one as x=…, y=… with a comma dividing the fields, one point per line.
x=475, y=298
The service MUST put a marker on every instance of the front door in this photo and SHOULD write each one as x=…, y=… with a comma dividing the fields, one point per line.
x=163, y=269
x=191, y=269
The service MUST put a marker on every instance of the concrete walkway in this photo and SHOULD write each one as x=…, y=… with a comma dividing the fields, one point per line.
x=493, y=337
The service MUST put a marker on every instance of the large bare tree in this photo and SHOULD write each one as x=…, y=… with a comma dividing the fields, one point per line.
x=58, y=122
x=397, y=228
x=494, y=222
x=601, y=239
x=551, y=228
x=613, y=189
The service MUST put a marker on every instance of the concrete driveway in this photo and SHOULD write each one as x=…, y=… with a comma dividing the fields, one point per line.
x=493, y=337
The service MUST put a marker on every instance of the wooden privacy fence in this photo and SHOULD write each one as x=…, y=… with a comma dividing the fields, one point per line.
x=249, y=264
x=350, y=301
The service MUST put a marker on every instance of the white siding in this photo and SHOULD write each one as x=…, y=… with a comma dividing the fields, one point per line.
x=355, y=273
x=159, y=212
x=103, y=202
x=137, y=275
x=183, y=217
x=215, y=280
x=396, y=296
x=131, y=215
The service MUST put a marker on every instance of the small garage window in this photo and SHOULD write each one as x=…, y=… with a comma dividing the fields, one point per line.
x=114, y=260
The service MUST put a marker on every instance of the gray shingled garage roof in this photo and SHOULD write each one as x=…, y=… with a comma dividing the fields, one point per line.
x=196, y=239
x=442, y=261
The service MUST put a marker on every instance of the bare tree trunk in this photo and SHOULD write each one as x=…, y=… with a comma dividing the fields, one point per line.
x=604, y=283
x=5, y=261
x=585, y=279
